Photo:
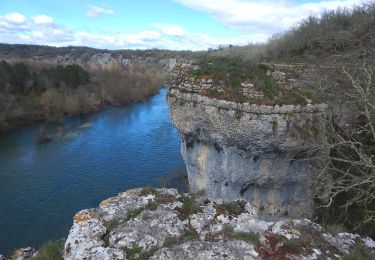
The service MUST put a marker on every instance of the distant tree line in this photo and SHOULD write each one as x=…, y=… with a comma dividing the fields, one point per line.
x=19, y=80
x=35, y=90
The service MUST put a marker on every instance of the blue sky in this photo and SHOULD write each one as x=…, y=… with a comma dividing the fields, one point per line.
x=142, y=24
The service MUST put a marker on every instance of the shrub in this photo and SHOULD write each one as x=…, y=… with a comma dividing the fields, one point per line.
x=334, y=32
x=189, y=205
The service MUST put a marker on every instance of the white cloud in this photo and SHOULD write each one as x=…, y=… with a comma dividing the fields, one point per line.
x=15, y=18
x=42, y=19
x=40, y=29
x=94, y=11
x=264, y=17
x=13, y=21
x=170, y=29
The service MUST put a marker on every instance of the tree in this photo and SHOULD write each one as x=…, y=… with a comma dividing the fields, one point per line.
x=349, y=171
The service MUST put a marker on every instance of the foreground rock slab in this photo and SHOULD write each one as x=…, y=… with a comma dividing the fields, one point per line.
x=162, y=224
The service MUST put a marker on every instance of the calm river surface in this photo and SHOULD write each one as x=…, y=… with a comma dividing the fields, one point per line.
x=42, y=186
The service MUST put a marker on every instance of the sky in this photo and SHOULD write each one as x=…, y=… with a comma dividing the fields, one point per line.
x=145, y=24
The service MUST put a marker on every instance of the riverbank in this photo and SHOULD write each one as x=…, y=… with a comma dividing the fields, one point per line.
x=48, y=92
x=27, y=118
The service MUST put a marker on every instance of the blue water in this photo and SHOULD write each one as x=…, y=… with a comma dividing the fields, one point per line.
x=93, y=158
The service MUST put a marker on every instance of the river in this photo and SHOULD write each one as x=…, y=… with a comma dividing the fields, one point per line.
x=89, y=159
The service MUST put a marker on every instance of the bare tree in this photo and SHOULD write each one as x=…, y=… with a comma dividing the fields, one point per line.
x=349, y=169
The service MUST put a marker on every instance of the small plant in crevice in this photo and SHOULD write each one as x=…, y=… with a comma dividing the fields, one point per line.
x=112, y=224
x=50, y=251
x=188, y=235
x=134, y=252
x=131, y=214
x=170, y=241
x=151, y=205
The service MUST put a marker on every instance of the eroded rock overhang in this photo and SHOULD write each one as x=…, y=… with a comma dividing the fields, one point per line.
x=252, y=152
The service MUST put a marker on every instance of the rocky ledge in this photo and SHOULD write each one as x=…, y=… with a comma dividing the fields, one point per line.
x=163, y=224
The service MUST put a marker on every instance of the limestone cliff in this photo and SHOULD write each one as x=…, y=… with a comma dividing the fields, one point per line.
x=247, y=151
x=162, y=224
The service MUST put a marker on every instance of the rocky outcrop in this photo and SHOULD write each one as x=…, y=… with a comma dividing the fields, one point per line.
x=162, y=224
x=27, y=253
x=248, y=151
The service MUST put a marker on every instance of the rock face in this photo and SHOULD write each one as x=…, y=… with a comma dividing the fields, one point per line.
x=245, y=151
x=162, y=224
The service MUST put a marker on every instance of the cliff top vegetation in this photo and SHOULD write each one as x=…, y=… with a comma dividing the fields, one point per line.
x=230, y=72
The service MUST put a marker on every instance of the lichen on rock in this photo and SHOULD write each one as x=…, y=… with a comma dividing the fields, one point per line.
x=213, y=230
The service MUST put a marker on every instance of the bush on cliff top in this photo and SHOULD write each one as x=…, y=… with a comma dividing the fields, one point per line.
x=338, y=35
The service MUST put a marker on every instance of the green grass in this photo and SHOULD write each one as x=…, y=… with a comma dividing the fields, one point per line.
x=50, y=251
